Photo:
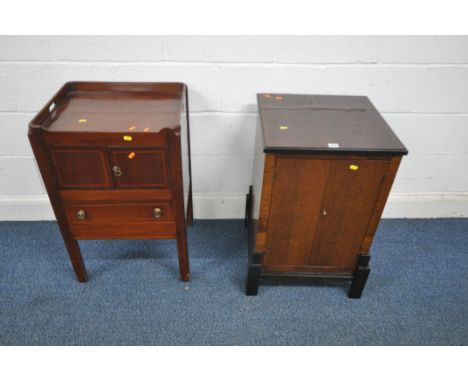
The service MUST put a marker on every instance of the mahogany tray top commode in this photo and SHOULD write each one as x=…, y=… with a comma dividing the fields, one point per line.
x=115, y=160
x=323, y=169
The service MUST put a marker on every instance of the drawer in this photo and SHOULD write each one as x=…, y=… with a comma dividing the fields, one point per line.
x=124, y=221
x=86, y=213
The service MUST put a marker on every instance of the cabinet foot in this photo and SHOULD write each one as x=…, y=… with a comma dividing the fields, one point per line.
x=360, y=277
x=253, y=276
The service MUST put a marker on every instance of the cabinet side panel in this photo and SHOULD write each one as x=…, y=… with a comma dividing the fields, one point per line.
x=262, y=181
x=380, y=204
x=257, y=178
x=298, y=189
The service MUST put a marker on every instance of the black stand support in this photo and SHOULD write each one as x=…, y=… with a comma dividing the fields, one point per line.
x=253, y=276
x=360, y=277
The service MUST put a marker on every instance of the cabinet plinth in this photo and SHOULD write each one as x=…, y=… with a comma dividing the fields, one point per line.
x=323, y=169
x=115, y=161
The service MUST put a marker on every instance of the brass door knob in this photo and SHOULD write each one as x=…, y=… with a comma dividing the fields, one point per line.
x=157, y=212
x=117, y=170
x=324, y=212
x=81, y=214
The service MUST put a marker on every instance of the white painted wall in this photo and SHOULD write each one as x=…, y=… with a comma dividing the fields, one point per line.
x=420, y=84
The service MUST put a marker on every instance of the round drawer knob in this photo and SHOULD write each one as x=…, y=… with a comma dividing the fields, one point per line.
x=117, y=170
x=324, y=212
x=81, y=214
x=157, y=212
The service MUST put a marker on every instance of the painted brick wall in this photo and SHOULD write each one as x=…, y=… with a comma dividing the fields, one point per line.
x=419, y=83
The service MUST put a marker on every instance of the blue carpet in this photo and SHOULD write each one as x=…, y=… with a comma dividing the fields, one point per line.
x=417, y=293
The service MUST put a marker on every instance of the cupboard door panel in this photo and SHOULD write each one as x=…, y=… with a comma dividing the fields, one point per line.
x=352, y=189
x=140, y=168
x=81, y=167
x=298, y=188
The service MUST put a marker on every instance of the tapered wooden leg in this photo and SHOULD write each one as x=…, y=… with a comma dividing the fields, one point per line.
x=190, y=199
x=180, y=213
x=253, y=276
x=76, y=259
x=360, y=277
x=182, y=251
x=39, y=149
x=190, y=207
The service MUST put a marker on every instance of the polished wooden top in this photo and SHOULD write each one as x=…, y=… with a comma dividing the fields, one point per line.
x=113, y=107
x=324, y=123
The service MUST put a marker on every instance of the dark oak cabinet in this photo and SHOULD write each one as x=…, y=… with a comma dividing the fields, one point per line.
x=115, y=160
x=323, y=169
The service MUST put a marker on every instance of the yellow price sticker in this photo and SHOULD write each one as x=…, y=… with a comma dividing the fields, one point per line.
x=127, y=138
x=353, y=167
x=284, y=127
x=82, y=120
